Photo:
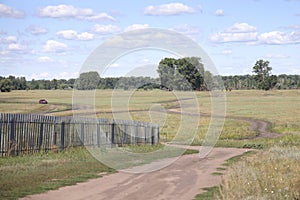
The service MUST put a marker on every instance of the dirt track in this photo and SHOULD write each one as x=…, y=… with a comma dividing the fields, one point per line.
x=184, y=179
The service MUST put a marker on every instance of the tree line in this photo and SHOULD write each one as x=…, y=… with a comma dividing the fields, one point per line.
x=174, y=74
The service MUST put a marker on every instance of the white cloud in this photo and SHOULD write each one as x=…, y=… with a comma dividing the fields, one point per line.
x=105, y=29
x=168, y=9
x=36, y=30
x=241, y=28
x=219, y=12
x=233, y=37
x=54, y=47
x=16, y=47
x=45, y=59
x=136, y=27
x=73, y=35
x=8, y=40
x=278, y=37
x=239, y=32
x=6, y=11
x=68, y=12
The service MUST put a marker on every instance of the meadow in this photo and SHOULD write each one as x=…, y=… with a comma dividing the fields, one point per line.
x=272, y=173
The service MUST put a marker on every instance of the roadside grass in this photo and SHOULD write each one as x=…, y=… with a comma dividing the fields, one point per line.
x=208, y=194
x=30, y=174
x=213, y=192
x=270, y=174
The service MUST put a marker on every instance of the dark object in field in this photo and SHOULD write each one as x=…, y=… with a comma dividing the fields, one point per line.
x=43, y=101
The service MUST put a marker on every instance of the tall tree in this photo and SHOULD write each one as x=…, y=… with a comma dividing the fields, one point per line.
x=166, y=70
x=181, y=74
x=263, y=75
x=87, y=81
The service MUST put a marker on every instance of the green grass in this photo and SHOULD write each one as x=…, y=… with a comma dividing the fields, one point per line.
x=30, y=174
x=209, y=194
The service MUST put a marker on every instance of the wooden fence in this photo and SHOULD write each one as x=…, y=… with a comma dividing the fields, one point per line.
x=27, y=133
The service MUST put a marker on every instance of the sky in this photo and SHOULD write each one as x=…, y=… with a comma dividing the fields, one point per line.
x=52, y=39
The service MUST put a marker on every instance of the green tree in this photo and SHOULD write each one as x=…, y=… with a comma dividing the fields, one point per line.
x=181, y=74
x=166, y=70
x=87, y=81
x=5, y=85
x=263, y=75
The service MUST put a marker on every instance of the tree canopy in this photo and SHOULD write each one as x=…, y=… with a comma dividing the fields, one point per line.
x=181, y=74
x=263, y=75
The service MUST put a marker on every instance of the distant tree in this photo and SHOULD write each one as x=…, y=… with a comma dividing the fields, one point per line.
x=263, y=75
x=34, y=85
x=87, y=81
x=5, y=85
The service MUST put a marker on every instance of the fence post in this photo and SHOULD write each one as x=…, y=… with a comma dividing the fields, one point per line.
x=136, y=135
x=98, y=135
x=41, y=135
x=152, y=135
x=158, y=135
x=62, y=136
x=145, y=136
x=125, y=134
x=12, y=139
x=1, y=145
x=112, y=134
x=82, y=134
x=55, y=138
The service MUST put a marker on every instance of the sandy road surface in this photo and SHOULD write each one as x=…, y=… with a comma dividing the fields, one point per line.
x=181, y=180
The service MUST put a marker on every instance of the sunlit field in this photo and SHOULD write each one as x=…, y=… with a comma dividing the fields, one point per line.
x=271, y=174
x=277, y=107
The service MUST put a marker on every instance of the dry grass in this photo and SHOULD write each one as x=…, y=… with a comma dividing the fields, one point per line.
x=272, y=174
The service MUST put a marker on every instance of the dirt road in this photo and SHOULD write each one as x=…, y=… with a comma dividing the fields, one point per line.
x=184, y=179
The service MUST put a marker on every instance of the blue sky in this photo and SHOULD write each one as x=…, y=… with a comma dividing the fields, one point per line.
x=52, y=39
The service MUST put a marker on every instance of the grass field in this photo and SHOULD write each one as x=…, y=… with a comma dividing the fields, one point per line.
x=276, y=165
x=277, y=107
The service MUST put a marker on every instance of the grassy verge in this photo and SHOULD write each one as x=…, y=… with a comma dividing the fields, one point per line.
x=213, y=192
x=30, y=174
x=209, y=194
x=270, y=174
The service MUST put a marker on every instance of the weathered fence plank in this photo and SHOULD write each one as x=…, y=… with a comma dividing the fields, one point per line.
x=28, y=133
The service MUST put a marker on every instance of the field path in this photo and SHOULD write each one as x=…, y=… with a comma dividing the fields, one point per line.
x=184, y=179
